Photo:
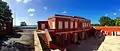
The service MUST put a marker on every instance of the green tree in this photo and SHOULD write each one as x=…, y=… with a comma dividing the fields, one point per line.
x=117, y=21
x=5, y=13
x=112, y=23
x=104, y=20
x=23, y=24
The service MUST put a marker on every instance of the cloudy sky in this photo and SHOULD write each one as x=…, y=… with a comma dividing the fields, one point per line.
x=32, y=11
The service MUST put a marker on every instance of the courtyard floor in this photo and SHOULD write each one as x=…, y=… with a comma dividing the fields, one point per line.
x=23, y=43
x=108, y=43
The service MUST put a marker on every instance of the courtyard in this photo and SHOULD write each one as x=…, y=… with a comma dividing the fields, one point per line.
x=107, y=43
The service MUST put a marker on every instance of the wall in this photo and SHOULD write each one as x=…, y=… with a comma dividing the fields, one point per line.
x=40, y=24
x=66, y=32
x=108, y=29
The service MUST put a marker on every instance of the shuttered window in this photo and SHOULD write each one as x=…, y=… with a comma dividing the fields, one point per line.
x=66, y=24
x=60, y=24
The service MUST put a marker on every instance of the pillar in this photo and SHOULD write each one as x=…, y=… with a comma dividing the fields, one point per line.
x=83, y=34
x=73, y=38
x=68, y=39
x=63, y=39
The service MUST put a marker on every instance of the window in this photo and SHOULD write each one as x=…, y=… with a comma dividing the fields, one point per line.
x=53, y=25
x=87, y=25
x=118, y=33
x=75, y=24
x=71, y=24
x=42, y=26
x=60, y=24
x=82, y=24
x=66, y=24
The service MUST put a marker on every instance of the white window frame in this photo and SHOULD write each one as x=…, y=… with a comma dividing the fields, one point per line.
x=60, y=25
x=66, y=24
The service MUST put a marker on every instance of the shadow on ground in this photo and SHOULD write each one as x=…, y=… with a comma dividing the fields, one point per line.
x=15, y=35
x=91, y=44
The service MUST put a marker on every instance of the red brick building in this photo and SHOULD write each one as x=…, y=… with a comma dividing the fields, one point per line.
x=65, y=30
x=109, y=30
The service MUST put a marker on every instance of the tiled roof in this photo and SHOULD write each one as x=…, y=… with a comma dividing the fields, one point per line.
x=108, y=28
x=62, y=15
x=66, y=16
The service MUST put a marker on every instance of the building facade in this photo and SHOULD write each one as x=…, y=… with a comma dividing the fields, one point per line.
x=109, y=30
x=65, y=30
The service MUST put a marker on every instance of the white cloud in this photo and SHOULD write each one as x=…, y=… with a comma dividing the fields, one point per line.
x=45, y=8
x=26, y=1
x=5, y=0
x=106, y=14
x=64, y=12
x=19, y=0
x=31, y=10
x=114, y=13
x=31, y=14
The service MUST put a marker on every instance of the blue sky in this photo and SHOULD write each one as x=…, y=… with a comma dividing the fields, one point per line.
x=32, y=11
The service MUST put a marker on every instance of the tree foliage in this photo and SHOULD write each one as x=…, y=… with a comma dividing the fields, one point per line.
x=95, y=25
x=23, y=24
x=117, y=21
x=104, y=20
x=5, y=12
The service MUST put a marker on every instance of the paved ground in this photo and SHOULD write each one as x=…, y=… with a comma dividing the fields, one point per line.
x=91, y=44
x=25, y=39
x=111, y=43
x=108, y=43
